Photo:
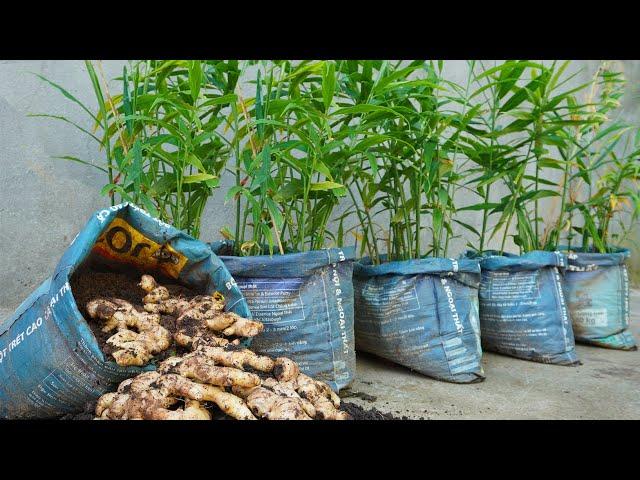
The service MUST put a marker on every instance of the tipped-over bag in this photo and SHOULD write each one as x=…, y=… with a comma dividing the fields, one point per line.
x=50, y=361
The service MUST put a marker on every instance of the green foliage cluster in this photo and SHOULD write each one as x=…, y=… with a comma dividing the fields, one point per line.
x=395, y=141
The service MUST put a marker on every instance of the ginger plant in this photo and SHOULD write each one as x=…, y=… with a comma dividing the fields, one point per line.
x=160, y=129
x=602, y=182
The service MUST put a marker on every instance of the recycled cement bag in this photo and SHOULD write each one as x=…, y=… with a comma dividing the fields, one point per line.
x=50, y=362
x=422, y=314
x=597, y=290
x=523, y=312
x=305, y=301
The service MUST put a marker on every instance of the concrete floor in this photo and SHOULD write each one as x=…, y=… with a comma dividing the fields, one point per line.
x=606, y=386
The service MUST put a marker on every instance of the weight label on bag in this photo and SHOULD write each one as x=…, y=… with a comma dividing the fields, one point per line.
x=595, y=317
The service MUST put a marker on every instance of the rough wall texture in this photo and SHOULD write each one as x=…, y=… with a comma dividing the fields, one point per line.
x=44, y=201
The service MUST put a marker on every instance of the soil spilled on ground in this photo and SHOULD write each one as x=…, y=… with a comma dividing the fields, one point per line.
x=361, y=413
x=348, y=393
x=90, y=282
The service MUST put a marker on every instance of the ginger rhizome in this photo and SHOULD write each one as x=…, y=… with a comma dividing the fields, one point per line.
x=139, y=335
x=325, y=400
x=241, y=383
x=216, y=371
x=142, y=398
x=202, y=317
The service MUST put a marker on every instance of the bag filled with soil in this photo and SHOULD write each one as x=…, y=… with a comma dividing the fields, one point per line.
x=523, y=311
x=422, y=314
x=597, y=290
x=305, y=301
x=52, y=361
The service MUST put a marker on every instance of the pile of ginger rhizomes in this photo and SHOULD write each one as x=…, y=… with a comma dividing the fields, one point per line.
x=241, y=383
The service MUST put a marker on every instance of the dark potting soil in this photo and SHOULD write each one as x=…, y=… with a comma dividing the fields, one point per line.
x=87, y=413
x=360, y=413
x=348, y=393
x=89, y=283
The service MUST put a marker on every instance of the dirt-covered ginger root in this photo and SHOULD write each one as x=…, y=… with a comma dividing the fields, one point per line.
x=237, y=358
x=179, y=386
x=155, y=293
x=140, y=399
x=204, y=318
x=325, y=400
x=265, y=403
x=150, y=396
x=200, y=317
x=204, y=370
x=139, y=335
x=158, y=298
x=291, y=395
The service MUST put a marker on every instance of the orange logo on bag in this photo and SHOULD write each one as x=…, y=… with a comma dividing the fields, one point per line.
x=123, y=243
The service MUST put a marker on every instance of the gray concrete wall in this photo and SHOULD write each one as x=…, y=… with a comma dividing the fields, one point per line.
x=44, y=202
